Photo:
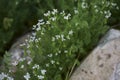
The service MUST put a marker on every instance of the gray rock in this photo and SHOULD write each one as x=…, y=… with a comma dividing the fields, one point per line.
x=16, y=51
x=110, y=35
x=116, y=73
x=104, y=61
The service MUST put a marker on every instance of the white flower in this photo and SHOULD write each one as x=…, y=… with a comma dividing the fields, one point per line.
x=48, y=22
x=32, y=38
x=57, y=36
x=59, y=51
x=63, y=13
x=42, y=23
x=33, y=33
x=2, y=76
x=39, y=39
x=52, y=61
x=27, y=76
x=43, y=72
x=113, y=4
x=53, y=18
x=10, y=71
x=21, y=59
x=29, y=62
x=62, y=37
x=117, y=8
x=41, y=20
x=16, y=3
x=47, y=65
x=34, y=27
x=107, y=3
x=10, y=78
x=53, y=13
x=65, y=51
x=23, y=44
x=56, y=54
x=22, y=66
x=95, y=6
x=55, y=10
x=84, y=5
x=69, y=15
x=107, y=14
x=50, y=55
x=76, y=11
x=68, y=37
x=96, y=10
x=36, y=40
x=103, y=2
x=15, y=63
x=42, y=33
x=60, y=68
x=40, y=77
x=36, y=46
x=28, y=46
x=38, y=28
x=26, y=40
x=53, y=39
x=66, y=17
x=36, y=66
x=5, y=76
x=47, y=14
x=70, y=32
x=76, y=24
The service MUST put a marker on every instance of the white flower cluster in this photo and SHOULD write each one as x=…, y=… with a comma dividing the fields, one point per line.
x=76, y=11
x=67, y=16
x=34, y=38
x=36, y=66
x=84, y=4
x=107, y=4
x=54, y=62
x=39, y=24
x=27, y=76
x=41, y=77
x=4, y=76
x=62, y=36
x=107, y=14
x=115, y=5
x=49, y=13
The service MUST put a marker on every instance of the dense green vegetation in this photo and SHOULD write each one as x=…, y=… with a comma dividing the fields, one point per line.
x=21, y=15
x=115, y=17
x=64, y=33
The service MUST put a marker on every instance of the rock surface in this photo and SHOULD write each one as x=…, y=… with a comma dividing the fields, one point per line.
x=104, y=61
x=17, y=50
x=110, y=35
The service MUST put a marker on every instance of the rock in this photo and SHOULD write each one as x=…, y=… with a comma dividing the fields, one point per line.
x=110, y=35
x=104, y=61
x=16, y=51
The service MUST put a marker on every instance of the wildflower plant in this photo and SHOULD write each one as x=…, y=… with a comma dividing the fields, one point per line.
x=60, y=40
